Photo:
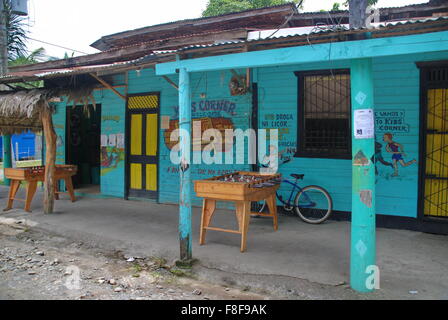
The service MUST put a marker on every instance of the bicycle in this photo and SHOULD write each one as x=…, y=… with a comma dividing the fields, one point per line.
x=313, y=204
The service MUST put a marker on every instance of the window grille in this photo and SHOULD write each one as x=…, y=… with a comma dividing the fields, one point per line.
x=324, y=114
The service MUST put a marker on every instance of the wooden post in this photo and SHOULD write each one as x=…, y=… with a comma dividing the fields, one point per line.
x=50, y=159
x=363, y=247
x=7, y=156
x=185, y=234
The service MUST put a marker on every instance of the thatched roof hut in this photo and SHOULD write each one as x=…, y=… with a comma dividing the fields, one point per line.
x=22, y=110
x=31, y=110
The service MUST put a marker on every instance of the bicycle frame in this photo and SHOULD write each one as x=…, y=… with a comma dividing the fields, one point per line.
x=295, y=186
x=290, y=203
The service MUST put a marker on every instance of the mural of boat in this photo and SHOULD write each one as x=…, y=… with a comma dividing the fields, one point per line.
x=219, y=123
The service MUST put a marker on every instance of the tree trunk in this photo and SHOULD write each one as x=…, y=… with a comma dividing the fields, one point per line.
x=50, y=160
x=357, y=15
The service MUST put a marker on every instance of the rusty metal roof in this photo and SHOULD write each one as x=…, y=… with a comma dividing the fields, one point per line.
x=41, y=74
x=289, y=37
x=255, y=18
x=320, y=30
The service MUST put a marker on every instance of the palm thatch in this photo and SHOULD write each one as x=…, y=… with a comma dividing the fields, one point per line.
x=81, y=96
x=20, y=111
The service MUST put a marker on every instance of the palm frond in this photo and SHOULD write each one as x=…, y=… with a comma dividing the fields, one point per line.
x=16, y=32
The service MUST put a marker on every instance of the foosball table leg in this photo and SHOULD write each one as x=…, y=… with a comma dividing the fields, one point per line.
x=245, y=218
x=12, y=193
x=208, y=208
x=272, y=205
x=69, y=186
x=56, y=190
x=30, y=191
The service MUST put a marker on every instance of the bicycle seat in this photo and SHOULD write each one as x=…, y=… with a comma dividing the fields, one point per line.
x=297, y=176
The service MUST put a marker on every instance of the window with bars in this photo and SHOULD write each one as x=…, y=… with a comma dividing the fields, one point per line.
x=324, y=110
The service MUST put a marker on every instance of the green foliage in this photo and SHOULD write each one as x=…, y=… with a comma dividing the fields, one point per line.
x=369, y=2
x=16, y=32
x=218, y=7
x=336, y=6
x=34, y=57
x=68, y=56
x=31, y=58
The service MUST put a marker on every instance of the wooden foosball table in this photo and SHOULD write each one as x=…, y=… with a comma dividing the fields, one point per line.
x=242, y=188
x=33, y=175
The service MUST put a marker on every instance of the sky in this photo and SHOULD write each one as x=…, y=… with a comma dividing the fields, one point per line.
x=77, y=24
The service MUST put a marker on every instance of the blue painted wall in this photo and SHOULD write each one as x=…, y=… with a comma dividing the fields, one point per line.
x=112, y=148
x=112, y=123
x=396, y=81
x=217, y=97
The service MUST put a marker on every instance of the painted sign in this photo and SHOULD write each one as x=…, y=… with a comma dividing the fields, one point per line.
x=209, y=114
x=283, y=122
x=391, y=121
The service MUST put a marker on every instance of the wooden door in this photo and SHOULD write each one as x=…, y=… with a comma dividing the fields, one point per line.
x=142, y=145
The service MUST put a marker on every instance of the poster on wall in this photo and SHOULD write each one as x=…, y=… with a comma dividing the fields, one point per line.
x=364, y=127
x=391, y=146
x=120, y=140
x=112, y=140
x=104, y=140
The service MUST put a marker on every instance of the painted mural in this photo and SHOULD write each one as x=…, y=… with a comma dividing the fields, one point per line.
x=112, y=152
x=214, y=108
x=210, y=114
x=219, y=123
x=59, y=128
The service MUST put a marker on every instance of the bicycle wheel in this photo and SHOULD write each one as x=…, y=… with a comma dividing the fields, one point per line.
x=313, y=204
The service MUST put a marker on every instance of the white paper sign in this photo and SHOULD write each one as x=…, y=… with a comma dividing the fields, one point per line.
x=104, y=140
x=364, y=124
x=112, y=140
x=120, y=140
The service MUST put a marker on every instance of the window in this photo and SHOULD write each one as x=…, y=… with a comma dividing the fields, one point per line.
x=324, y=114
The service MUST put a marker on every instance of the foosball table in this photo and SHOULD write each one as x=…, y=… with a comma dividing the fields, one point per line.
x=33, y=175
x=242, y=188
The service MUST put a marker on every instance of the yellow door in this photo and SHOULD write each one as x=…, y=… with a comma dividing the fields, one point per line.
x=436, y=168
x=142, y=130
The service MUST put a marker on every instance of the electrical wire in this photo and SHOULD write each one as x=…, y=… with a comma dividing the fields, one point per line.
x=56, y=45
x=286, y=21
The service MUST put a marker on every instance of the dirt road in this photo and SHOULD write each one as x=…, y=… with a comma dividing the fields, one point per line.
x=36, y=265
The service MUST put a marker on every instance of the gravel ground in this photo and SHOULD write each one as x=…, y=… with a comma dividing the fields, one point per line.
x=37, y=265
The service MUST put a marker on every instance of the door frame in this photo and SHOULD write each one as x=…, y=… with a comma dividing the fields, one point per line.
x=425, y=85
x=128, y=144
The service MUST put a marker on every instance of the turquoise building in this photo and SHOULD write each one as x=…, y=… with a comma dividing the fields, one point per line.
x=297, y=81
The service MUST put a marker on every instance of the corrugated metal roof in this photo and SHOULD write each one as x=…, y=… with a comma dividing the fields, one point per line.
x=107, y=41
x=298, y=32
x=49, y=73
x=154, y=56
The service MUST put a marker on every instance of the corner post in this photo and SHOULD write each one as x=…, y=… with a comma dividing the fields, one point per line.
x=50, y=159
x=363, y=242
x=7, y=156
x=185, y=235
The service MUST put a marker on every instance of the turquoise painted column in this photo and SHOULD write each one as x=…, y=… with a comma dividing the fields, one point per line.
x=363, y=248
x=185, y=178
x=7, y=155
